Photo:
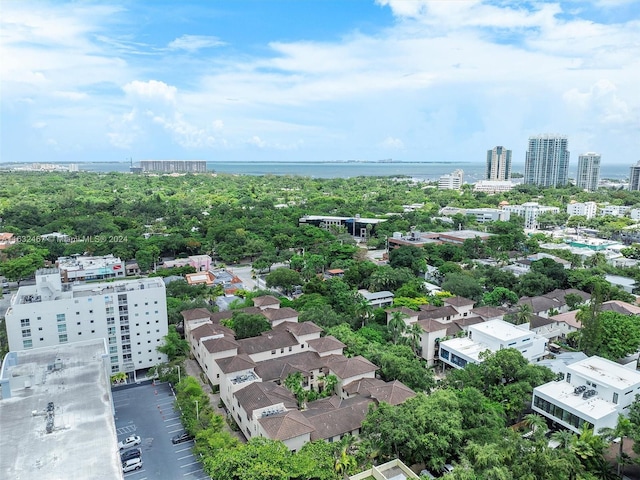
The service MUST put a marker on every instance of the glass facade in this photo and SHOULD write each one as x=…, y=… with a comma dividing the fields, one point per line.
x=559, y=413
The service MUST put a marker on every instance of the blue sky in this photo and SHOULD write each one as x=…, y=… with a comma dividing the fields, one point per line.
x=310, y=80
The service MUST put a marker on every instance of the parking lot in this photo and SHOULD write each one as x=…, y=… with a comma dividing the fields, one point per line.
x=147, y=410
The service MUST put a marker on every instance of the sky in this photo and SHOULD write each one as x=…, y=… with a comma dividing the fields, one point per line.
x=316, y=80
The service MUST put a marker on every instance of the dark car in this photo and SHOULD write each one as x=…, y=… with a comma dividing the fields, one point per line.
x=182, y=437
x=131, y=453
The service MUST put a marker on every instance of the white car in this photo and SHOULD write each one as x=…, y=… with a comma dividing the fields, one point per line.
x=130, y=441
x=132, y=464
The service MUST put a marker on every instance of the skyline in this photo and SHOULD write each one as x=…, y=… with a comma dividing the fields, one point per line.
x=317, y=81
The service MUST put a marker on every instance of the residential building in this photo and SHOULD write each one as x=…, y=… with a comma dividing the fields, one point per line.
x=594, y=391
x=565, y=323
x=380, y=299
x=57, y=414
x=356, y=226
x=547, y=161
x=392, y=470
x=627, y=284
x=493, y=186
x=614, y=210
x=588, y=175
x=451, y=181
x=130, y=314
x=201, y=263
x=485, y=215
x=498, y=164
x=493, y=335
x=553, y=302
x=174, y=166
x=7, y=239
x=634, y=177
x=81, y=267
x=530, y=212
x=586, y=209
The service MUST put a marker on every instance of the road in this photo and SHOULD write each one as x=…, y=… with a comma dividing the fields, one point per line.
x=246, y=273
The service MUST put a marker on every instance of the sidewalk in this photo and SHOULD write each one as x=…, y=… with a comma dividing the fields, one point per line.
x=194, y=370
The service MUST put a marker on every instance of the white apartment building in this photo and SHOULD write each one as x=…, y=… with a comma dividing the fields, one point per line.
x=484, y=215
x=614, y=210
x=530, y=212
x=493, y=186
x=493, y=335
x=588, y=175
x=130, y=314
x=451, y=181
x=586, y=209
x=594, y=390
x=80, y=268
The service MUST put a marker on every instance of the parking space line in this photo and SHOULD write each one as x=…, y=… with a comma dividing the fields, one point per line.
x=173, y=425
x=195, y=471
x=186, y=456
x=176, y=430
x=183, y=449
x=135, y=472
x=189, y=464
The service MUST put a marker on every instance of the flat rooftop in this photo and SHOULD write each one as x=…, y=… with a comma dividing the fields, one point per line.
x=562, y=393
x=606, y=372
x=83, y=441
x=465, y=346
x=501, y=330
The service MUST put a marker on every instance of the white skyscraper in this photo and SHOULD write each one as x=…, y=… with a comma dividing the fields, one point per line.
x=498, y=164
x=634, y=177
x=588, y=174
x=547, y=161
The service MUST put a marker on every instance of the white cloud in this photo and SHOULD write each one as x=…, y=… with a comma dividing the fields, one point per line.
x=151, y=90
x=192, y=43
x=257, y=141
x=601, y=103
x=73, y=96
x=392, y=143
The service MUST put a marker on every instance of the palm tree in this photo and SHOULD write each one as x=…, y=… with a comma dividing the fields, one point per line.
x=396, y=325
x=623, y=428
x=563, y=437
x=537, y=424
x=415, y=334
x=363, y=309
x=523, y=315
x=344, y=463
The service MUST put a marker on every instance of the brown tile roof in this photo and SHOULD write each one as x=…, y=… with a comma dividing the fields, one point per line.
x=264, y=394
x=488, y=312
x=344, y=367
x=265, y=300
x=223, y=344
x=457, y=301
x=278, y=368
x=273, y=314
x=569, y=318
x=325, y=344
x=266, y=342
x=431, y=325
x=286, y=425
x=440, y=312
x=299, y=329
x=348, y=416
x=621, y=307
x=236, y=363
x=393, y=393
x=208, y=329
x=466, y=321
x=536, y=321
x=453, y=328
x=195, y=314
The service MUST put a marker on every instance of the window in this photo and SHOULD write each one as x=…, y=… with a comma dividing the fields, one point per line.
x=273, y=352
x=113, y=349
x=568, y=378
x=62, y=328
x=290, y=348
x=62, y=338
x=111, y=330
x=615, y=397
x=114, y=359
x=27, y=343
x=78, y=323
x=24, y=322
x=282, y=350
x=26, y=332
x=39, y=329
x=60, y=317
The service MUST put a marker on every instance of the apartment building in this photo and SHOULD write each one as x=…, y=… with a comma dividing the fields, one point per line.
x=547, y=160
x=130, y=314
x=588, y=175
x=530, y=212
x=451, y=181
x=586, y=209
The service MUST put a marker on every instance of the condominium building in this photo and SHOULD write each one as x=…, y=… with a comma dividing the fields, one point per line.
x=547, y=161
x=593, y=391
x=130, y=314
x=498, y=164
x=634, y=177
x=451, y=181
x=530, y=212
x=588, y=174
x=586, y=209
x=174, y=166
x=493, y=186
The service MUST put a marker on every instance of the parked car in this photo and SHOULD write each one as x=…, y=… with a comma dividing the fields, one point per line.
x=132, y=464
x=130, y=441
x=181, y=437
x=131, y=453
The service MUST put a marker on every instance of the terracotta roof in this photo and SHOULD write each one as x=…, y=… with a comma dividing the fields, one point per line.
x=273, y=314
x=457, y=301
x=569, y=318
x=264, y=394
x=299, y=329
x=345, y=367
x=195, y=314
x=266, y=342
x=278, y=368
x=440, y=312
x=325, y=344
x=236, y=363
x=393, y=393
x=488, y=312
x=286, y=425
x=265, y=300
x=621, y=307
x=348, y=416
x=223, y=344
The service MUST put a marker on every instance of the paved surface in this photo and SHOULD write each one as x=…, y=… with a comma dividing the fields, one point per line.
x=147, y=410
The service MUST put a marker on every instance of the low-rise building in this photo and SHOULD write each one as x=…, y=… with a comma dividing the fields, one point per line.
x=493, y=335
x=485, y=215
x=594, y=391
x=356, y=226
x=7, y=240
x=586, y=209
x=451, y=181
x=201, y=263
x=493, y=186
x=85, y=267
x=530, y=212
x=614, y=210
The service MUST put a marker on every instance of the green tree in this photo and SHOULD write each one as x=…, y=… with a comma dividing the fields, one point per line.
x=247, y=325
x=500, y=296
x=174, y=346
x=620, y=334
x=284, y=278
x=463, y=285
x=397, y=325
x=624, y=428
x=21, y=268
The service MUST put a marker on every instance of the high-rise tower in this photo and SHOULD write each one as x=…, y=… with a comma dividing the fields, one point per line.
x=547, y=161
x=588, y=174
x=498, y=164
x=634, y=177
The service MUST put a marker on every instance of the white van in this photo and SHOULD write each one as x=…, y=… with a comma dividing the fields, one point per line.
x=132, y=464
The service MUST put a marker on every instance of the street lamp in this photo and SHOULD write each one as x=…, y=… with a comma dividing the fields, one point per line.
x=197, y=410
x=178, y=366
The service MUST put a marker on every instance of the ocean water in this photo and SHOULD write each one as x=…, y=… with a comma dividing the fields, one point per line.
x=473, y=171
